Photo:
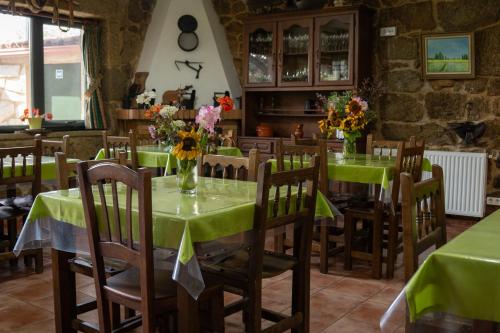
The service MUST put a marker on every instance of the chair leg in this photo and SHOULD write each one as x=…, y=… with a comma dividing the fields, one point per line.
x=39, y=261
x=348, y=237
x=323, y=252
x=301, y=298
x=115, y=315
x=392, y=245
x=377, y=245
x=12, y=235
x=253, y=309
x=279, y=242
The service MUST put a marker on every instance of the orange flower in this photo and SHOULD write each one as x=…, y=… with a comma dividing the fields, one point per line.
x=36, y=112
x=226, y=103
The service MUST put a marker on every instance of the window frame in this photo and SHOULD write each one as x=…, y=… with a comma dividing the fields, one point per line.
x=37, y=76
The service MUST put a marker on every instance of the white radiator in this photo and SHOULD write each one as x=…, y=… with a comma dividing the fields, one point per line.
x=464, y=180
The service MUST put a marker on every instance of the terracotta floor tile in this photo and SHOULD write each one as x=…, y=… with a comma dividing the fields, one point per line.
x=370, y=314
x=358, y=288
x=16, y=314
x=346, y=325
x=327, y=306
x=387, y=295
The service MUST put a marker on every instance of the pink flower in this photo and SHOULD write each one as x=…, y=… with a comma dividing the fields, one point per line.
x=364, y=104
x=207, y=117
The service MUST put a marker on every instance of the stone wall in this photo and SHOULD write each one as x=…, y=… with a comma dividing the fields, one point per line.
x=124, y=24
x=414, y=106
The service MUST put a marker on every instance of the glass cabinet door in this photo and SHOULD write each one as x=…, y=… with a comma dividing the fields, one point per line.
x=334, y=50
x=295, y=51
x=260, y=46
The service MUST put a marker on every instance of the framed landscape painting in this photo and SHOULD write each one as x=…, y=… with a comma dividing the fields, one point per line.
x=448, y=56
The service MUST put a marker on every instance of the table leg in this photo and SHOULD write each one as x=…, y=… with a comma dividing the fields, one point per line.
x=188, y=314
x=64, y=288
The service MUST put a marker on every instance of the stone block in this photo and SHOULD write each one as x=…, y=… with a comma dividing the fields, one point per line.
x=400, y=107
x=434, y=134
x=481, y=107
x=404, y=81
x=445, y=106
x=487, y=44
x=440, y=84
x=398, y=48
x=494, y=87
x=466, y=15
x=476, y=86
x=409, y=17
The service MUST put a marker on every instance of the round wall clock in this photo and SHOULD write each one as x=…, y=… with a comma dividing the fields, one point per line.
x=188, y=39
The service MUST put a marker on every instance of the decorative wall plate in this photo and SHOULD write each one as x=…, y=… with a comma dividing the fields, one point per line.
x=188, y=41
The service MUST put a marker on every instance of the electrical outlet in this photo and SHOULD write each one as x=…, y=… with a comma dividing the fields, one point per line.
x=387, y=31
x=494, y=201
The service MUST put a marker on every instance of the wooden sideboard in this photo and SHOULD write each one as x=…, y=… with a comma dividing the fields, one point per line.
x=134, y=119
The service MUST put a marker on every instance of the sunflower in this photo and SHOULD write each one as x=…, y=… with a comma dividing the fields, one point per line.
x=353, y=107
x=188, y=147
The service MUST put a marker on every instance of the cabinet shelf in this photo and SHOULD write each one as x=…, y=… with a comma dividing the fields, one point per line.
x=292, y=114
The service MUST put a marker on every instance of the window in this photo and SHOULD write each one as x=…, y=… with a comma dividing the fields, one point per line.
x=40, y=67
x=14, y=68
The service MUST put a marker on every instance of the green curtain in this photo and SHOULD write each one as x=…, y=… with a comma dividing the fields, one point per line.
x=91, y=45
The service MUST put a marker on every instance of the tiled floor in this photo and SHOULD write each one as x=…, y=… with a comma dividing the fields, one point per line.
x=341, y=302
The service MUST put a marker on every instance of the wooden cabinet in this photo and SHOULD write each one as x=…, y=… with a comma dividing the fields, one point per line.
x=266, y=146
x=295, y=52
x=259, y=47
x=290, y=57
x=334, y=50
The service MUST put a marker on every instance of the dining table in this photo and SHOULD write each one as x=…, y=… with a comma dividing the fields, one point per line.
x=221, y=208
x=48, y=164
x=360, y=168
x=160, y=156
x=459, y=278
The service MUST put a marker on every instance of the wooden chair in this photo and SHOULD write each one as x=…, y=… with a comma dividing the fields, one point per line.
x=50, y=147
x=14, y=207
x=244, y=270
x=296, y=157
x=386, y=147
x=141, y=287
x=423, y=215
x=242, y=168
x=114, y=144
x=375, y=213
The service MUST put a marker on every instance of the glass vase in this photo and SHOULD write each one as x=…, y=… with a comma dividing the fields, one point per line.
x=349, y=146
x=187, y=176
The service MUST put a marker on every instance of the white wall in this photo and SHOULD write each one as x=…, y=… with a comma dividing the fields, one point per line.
x=161, y=50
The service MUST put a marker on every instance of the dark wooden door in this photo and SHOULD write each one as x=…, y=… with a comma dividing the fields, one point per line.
x=334, y=50
x=295, y=52
x=259, y=54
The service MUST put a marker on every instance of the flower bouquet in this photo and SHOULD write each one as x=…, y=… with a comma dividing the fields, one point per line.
x=346, y=113
x=165, y=127
x=208, y=116
x=34, y=118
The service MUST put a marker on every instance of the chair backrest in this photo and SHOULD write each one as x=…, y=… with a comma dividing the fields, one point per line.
x=50, y=147
x=304, y=141
x=112, y=234
x=297, y=156
x=15, y=165
x=114, y=144
x=242, y=168
x=284, y=198
x=386, y=147
x=66, y=171
x=424, y=219
x=409, y=160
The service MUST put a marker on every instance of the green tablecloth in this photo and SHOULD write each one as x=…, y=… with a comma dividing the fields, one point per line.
x=158, y=156
x=362, y=168
x=48, y=167
x=462, y=277
x=220, y=208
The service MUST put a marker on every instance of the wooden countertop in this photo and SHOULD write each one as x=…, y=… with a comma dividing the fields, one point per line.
x=137, y=114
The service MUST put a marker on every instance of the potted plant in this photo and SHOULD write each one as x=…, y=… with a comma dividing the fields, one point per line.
x=34, y=118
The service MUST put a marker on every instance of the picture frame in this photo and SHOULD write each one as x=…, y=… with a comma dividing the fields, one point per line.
x=448, y=56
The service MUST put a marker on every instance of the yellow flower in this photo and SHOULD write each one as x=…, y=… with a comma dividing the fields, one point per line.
x=188, y=147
